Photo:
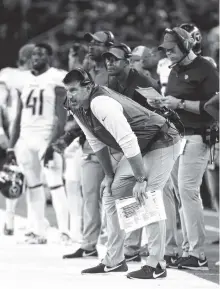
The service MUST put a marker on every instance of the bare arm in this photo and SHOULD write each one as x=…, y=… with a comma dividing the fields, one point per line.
x=105, y=161
x=137, y=166
x=212, y=107
x=60, y=114
x=192, y=106
x=15, y=130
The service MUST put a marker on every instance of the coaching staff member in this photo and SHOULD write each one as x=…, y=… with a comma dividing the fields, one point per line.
x=125, y=80
x=150, y=148
x=192, y=82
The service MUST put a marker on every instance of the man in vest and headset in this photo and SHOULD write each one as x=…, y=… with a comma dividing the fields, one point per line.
x=150, y=147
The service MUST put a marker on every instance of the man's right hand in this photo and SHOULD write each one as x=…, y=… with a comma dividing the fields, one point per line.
x=59, y=146
x=106, y=185
x=155, y=103
x=10, y=157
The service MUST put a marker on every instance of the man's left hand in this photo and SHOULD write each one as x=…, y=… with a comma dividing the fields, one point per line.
x=171, y=102
x=59, y=146
x=139, y=192
x=48, y=156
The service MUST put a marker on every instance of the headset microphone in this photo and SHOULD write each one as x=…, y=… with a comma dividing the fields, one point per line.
x=185, y=45
x=176, y=63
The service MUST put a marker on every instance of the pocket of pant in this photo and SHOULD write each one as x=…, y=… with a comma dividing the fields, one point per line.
x=195, y=148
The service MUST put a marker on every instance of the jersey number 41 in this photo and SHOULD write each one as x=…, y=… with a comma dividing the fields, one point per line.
x=35, y=103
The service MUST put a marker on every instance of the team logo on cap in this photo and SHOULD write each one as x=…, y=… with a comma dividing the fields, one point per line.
x=14, y=191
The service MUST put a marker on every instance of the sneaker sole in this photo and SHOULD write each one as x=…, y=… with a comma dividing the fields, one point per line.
x=194, y=268
x=82, y=257
x=132, y=259
x=161, y=277
x=104, y=273
x=172, y=267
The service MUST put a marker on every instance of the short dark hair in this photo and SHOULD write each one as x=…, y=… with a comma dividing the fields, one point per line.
x=80, y=50
x=46, y=46
x=78, y=75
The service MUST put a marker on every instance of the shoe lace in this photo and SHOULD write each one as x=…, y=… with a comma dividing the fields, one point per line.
x=147, y=269
x=180, y=259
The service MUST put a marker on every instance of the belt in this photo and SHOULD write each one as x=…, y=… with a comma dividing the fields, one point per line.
x=89, y=157
x=193, y=131
x=163, y=129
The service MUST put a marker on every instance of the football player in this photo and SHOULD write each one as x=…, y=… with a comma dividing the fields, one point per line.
x=12, y=81
x=40, y=119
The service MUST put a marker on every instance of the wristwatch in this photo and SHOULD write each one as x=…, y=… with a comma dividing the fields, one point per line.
x=181, y=104
x=141, y=179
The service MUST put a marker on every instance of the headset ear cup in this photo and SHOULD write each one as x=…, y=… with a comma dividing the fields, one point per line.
x=111, y=38
x=188, y=44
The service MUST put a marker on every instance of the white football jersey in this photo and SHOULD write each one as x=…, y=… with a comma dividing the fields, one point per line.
x=39, y=99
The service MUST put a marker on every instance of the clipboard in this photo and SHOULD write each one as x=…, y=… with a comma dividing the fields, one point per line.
x=149, y=93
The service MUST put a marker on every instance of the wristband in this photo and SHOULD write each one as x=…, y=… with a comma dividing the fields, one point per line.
x=141, y=179
x=10, y=150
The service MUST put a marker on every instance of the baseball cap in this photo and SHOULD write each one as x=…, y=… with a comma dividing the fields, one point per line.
x=115, y=51
x=139, y=52
x=26, y=51
x=170, y=40
x=99, y=36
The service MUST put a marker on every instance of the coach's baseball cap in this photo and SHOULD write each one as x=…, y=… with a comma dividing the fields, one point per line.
x=139, y=52
x=170, y=40
x=115, y=51
x=99, y=36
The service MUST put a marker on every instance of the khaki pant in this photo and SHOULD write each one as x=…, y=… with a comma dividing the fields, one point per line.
x=158, y=165
x=187, y=176
x=91, y=176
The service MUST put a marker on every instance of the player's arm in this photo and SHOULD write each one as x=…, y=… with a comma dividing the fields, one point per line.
x=60, y=114
x=15, y=126
x=59, y=123
x=15, y=132
x=5, y=121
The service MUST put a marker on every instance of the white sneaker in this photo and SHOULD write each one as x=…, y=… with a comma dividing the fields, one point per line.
x=65, y=239
x=36, y=240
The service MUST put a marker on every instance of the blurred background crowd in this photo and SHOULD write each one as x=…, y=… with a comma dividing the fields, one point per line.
x=61, y=22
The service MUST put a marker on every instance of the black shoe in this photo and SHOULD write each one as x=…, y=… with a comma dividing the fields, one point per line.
x=216, y=242
x=171, y=260
x=134, y=258
x=175, y=263
x=81, y=253
x=148, y=272
x=194, y=263
x=8, y=232
x=101, y=268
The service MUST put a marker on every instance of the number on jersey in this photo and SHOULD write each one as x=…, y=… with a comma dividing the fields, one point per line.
x=35, y=103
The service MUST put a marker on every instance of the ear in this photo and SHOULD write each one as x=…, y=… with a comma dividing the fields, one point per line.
x=126, y=61
x=88, y=87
